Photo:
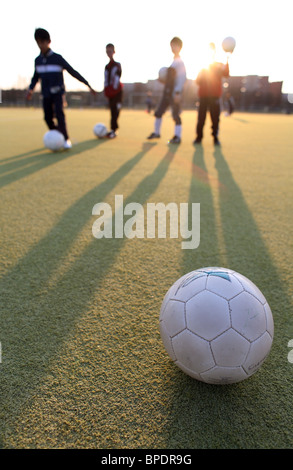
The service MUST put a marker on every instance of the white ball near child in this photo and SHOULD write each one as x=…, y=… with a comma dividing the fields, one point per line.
x=100, y=130
x=54, y=140
x=163, y=72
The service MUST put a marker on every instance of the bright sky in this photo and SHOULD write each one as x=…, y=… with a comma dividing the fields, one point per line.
x=141, y=32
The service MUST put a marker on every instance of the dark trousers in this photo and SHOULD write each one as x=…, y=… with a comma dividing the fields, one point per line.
x=115, y=107
x=211, y=104
x=164, y=104
x=53, y=108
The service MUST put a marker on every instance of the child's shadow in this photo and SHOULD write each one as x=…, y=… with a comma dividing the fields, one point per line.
x=18, y=167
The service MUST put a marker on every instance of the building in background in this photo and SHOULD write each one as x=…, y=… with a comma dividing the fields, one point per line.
x=250, y=93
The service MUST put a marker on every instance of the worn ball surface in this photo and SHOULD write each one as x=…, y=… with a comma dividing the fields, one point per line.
x=54, y=140
x=216, y=325
x=100, y=130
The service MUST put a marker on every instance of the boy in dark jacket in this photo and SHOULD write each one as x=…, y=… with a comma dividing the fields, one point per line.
x=49, y=68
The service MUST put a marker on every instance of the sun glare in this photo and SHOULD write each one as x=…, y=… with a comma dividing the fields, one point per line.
x=142, y=39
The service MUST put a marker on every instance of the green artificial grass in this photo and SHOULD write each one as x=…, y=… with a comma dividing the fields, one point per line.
x=83, y=365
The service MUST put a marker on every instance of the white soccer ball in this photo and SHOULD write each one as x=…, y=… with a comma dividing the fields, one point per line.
x=54, y=140
x=216, y=325
x=163, y=72
x=229, y=44
x=100, y=130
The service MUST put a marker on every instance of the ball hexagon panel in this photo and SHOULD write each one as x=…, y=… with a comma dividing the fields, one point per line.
x=207, y=315
x=230, y=349
x=223, y=375
x=251, y=288
x=248, y=316
x=226, y=286
x=192, y=352
x=190, y=285
x=187, y=371
x=170, y=293
x=173, y=317
x=259, y=350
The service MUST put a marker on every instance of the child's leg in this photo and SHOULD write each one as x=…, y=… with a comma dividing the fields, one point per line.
x=48, y=107
x=115, y=106
x=164, y=104
x=58, y=103
x=202, y=112
x=157, y=126
x=215, y=110
x=176, y=116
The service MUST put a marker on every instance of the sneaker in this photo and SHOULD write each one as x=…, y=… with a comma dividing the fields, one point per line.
x=175, y=140
x=67, y=144
x=111, y=135
x=197, y=141
x=153, y=135
x=216, y=141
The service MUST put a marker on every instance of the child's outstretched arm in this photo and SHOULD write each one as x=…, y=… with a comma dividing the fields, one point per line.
x=33, y=83
x=76, y=75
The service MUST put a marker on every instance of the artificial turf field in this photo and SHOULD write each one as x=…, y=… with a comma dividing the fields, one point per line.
x=82, y=362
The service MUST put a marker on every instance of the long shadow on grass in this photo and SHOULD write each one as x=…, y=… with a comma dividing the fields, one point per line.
x=49, y=252
x=30, y=164
x=244, y=121
x=35, y=323
x=200, y=191
x=246, y=251
x=255, y=413
x=21, y=155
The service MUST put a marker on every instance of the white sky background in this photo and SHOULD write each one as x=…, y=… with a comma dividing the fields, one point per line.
x=141, y=32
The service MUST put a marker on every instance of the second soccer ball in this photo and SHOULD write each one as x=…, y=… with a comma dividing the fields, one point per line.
x=100, y=130
x=163, y=72
x=229, y=44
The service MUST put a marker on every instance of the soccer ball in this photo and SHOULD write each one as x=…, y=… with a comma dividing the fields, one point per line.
x=163, y=72
x=229, y=44
x=100, y=130
x=54, y=140
x=216, y=325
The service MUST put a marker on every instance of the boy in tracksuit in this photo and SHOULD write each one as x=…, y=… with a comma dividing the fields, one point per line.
x=172, y=94
x=113, y=89
x=49, y=68
x=209, y=81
